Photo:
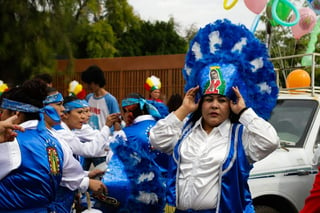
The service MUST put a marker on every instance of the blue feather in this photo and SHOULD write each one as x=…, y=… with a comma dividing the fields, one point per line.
x=223, y=43
x=146, y=185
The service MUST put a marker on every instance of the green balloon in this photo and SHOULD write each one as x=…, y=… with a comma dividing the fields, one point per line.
x=307, y=59
x=283, y=12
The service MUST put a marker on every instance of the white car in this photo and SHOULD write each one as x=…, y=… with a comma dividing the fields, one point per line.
x=281, y=182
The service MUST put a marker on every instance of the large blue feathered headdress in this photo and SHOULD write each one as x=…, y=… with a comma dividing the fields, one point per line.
x=223, y=55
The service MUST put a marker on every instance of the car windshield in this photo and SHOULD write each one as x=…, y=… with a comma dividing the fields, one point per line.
x=292, y=119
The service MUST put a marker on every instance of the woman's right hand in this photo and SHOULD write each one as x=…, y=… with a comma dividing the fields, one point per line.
x=112, y=118
x=188, y=105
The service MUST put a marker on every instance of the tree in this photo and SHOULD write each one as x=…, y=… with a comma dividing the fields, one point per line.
x=35, y=33
x=23, y=42
x=120, y=15
x=151, y=39
x=281, y=42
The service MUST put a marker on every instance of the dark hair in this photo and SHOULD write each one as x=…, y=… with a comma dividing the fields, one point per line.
x=6, y=94
x=47, y=78
x=31, y=92
x=174, y=102
x=51, y=90
x=69, y=98
x=93, y=74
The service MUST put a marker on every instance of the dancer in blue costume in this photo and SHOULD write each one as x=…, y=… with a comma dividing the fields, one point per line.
x=34, y=164
x=65, y=196
x=230, y=91
x=136, y=171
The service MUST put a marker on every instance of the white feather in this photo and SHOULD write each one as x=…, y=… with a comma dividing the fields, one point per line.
x=145, y=177
x=147, y=198
x=257, y=64
x=214, y=38
x=264, y=88
x=239, y=45
x=136, y=157
x=196, y=49
x=188, y=70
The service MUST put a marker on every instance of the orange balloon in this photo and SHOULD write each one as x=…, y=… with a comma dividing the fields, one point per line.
x=298, y=78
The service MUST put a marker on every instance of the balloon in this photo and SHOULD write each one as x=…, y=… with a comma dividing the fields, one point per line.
x=274, y=11
x=228, y=7
x=255, y=6
x=314, y=5
x=283, y=11
x=306, y=23
x=298, y=78
x=307, y=59
x=255, y=23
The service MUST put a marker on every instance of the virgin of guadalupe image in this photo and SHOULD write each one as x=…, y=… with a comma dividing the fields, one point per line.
x=215, y=80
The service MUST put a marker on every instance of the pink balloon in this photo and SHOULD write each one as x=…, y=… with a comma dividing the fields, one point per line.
x=308, y=19
x=256, y=6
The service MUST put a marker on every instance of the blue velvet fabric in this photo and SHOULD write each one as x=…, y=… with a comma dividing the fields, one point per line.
x=33, y=184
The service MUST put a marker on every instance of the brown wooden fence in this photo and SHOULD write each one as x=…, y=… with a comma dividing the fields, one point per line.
x=125, y=75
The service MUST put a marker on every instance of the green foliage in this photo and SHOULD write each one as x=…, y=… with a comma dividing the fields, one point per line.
x=35, y=33
x=98, y=41
x=23, y=42
x=151, y=39
x=120, y=16
x=280, y=42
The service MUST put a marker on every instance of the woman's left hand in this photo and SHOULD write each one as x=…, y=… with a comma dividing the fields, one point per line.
x=240, y=104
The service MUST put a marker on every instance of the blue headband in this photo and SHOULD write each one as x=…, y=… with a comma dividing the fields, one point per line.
x=73, y=105
x=18, y=106
x=142, y=102
x=84, y=103
x=23, y=107
x=55, y=98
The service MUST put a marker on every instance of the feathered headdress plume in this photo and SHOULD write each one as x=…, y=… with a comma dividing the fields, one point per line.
x=152, y=83
x=3, y=87
x=223, y=55
x=76, y=89
x=134, y=179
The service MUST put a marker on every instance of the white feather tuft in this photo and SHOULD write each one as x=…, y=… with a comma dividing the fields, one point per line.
x=257, y=64
x=239, y=45
x=136, y=157
x=147, y=198
x=146, y=177
x=196, y=49
x=188, y=70
x=214, y=39
x=265, y=88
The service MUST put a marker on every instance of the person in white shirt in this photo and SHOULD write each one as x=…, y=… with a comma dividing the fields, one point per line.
x=226, y=131
x=54, y=111
x=73, y=119
x=102, y=103
x=35, y=164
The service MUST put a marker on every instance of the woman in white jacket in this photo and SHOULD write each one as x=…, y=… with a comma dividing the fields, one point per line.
x=226, y=131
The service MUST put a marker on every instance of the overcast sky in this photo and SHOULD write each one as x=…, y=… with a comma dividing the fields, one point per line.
x=188, y=12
